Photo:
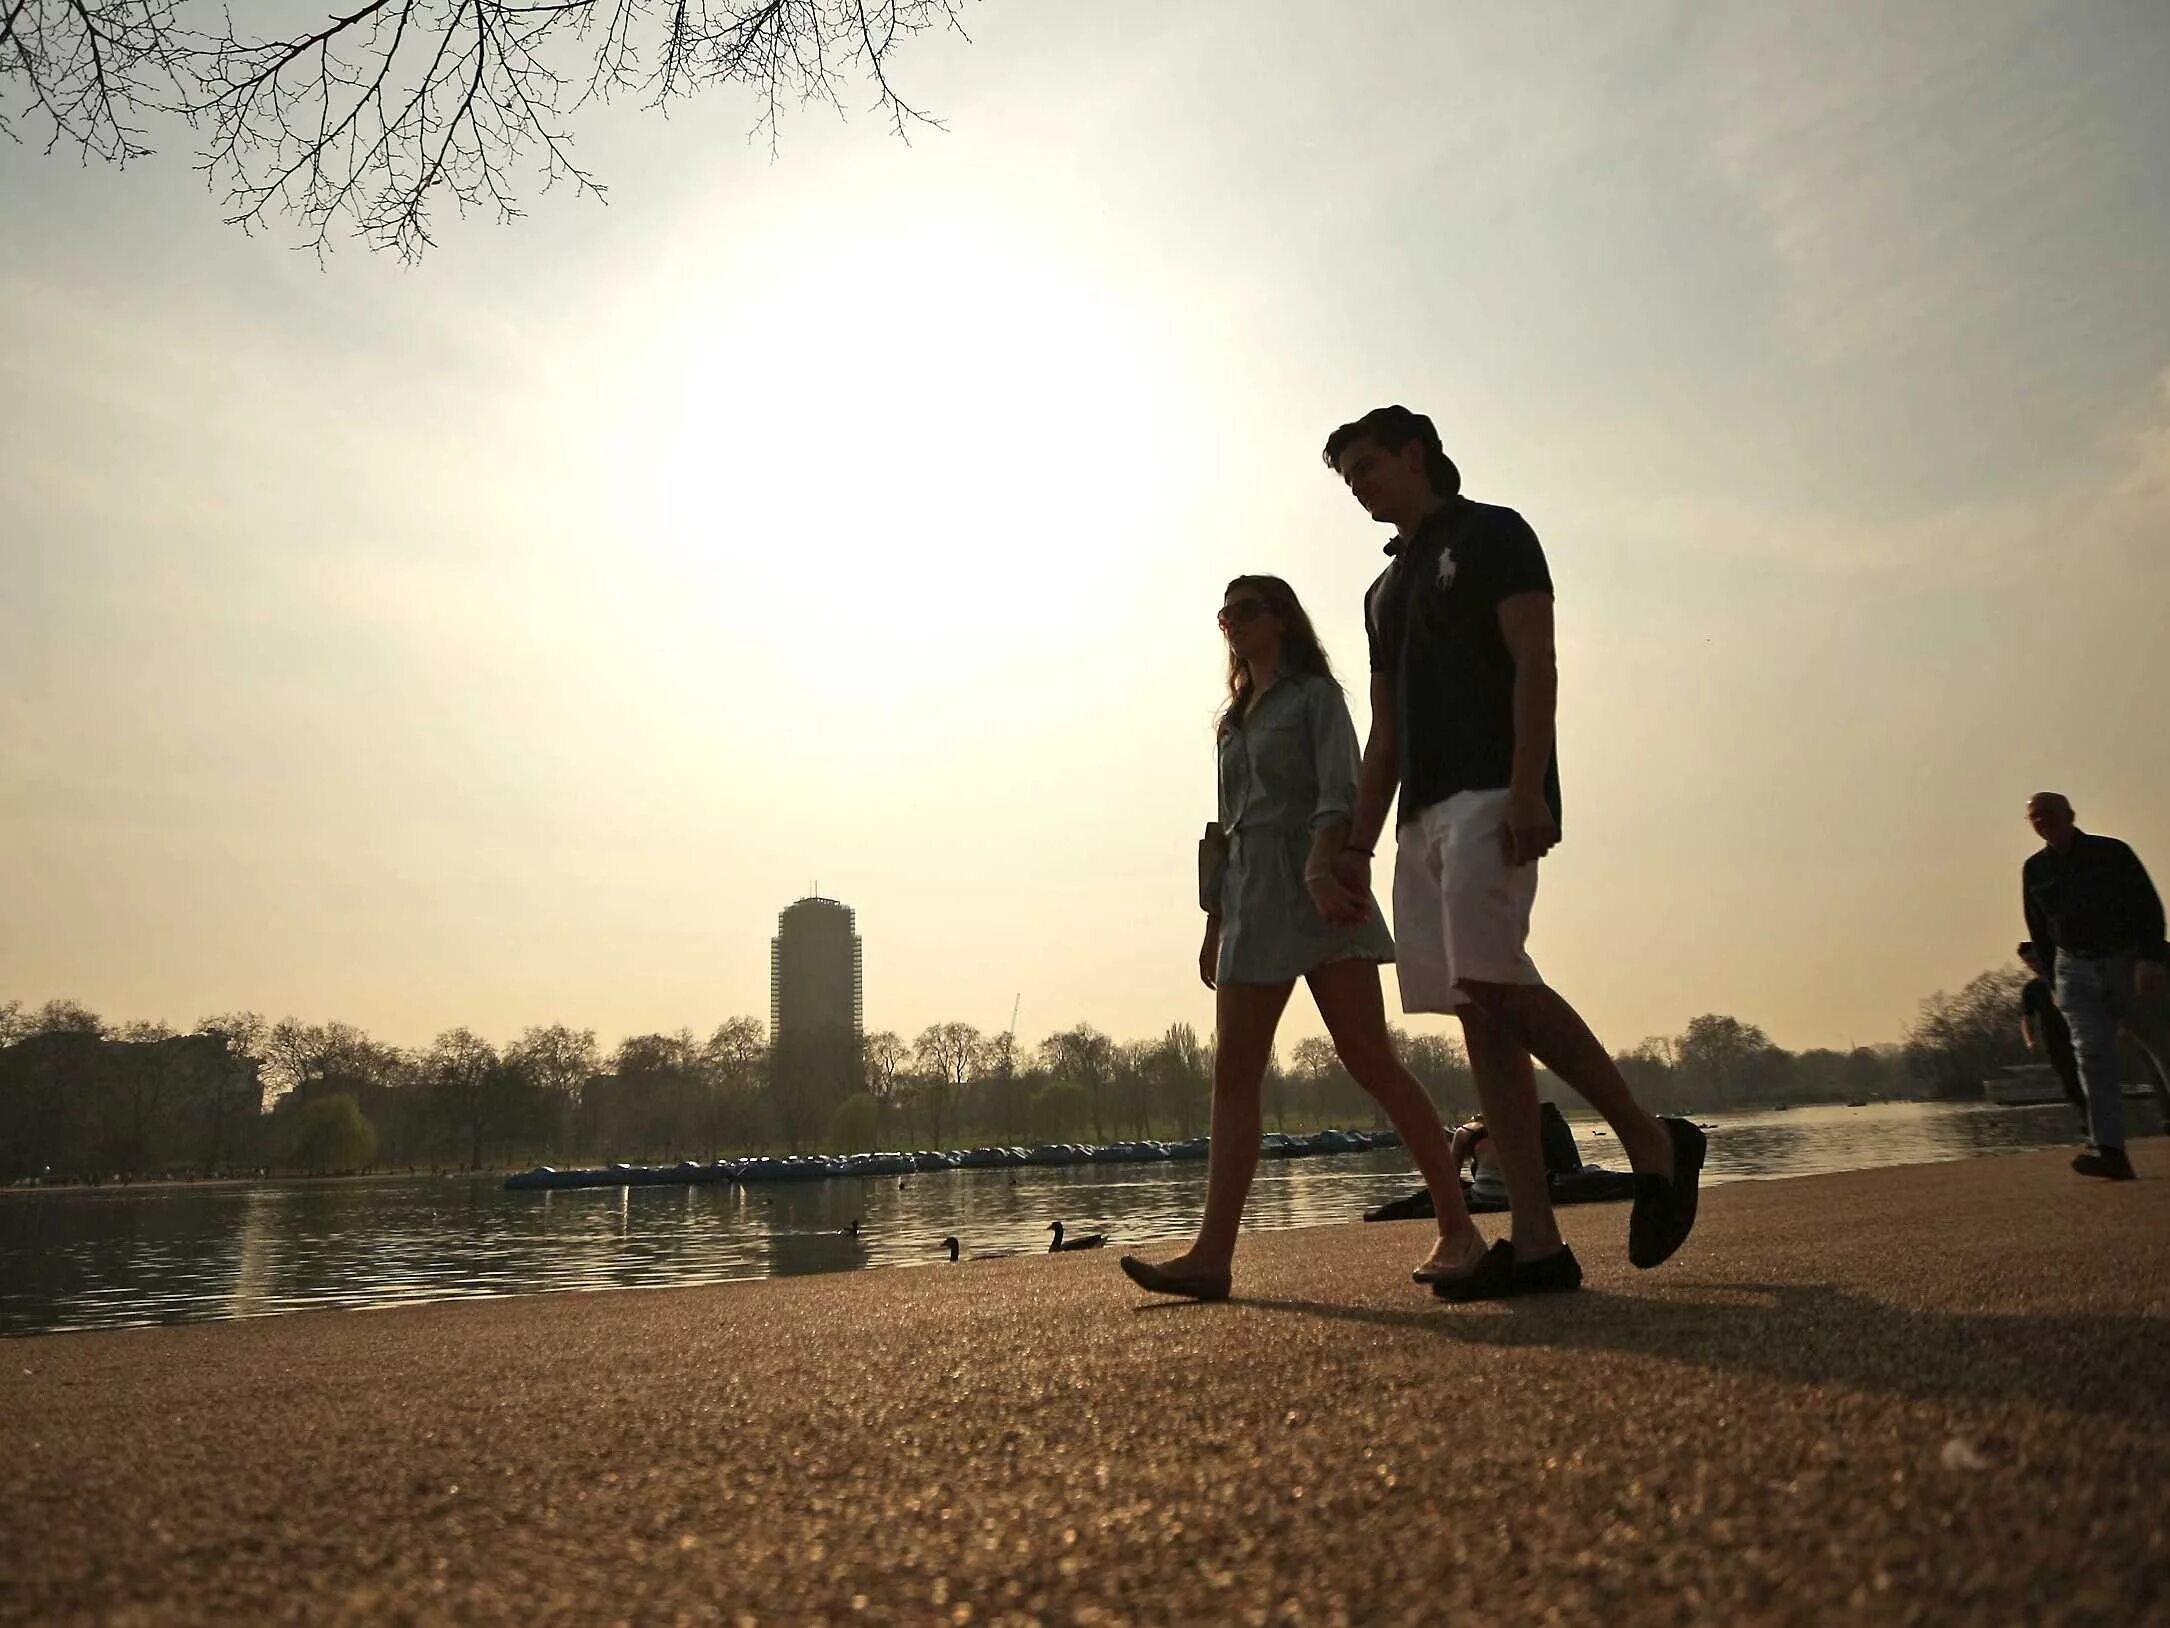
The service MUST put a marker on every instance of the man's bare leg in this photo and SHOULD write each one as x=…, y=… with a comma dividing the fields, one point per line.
x=1553, y=1032
x=1507, y=1087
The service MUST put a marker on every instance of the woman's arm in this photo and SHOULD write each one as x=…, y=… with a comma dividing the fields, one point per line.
x=1334, y=767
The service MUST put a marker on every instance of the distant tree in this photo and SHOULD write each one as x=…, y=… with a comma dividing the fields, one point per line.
x=736, y=1059
x=1326, y=1087
x=946, y=1055
x=368, y=120
x=331, y=1134
x=1959, y=1040
x=1441, y=1068
x=886, y=1056
x=461, y=1065
x=1725, y=1055
x=658, y=1092
x=1005, y=1094
x=1060, y=1110
x=539, y=1090
x=1083, y=1057
x=144, y=1074
x=557, y=1058
x=1184, y=1069
x=1274, y=1092
x=856, y=1126
x=1134, y=1086
x=1648, y=1070
x=292, y=1053
x=14, y=1023
x=1876, y=1070
x=66, y=1017
x=233, y=1091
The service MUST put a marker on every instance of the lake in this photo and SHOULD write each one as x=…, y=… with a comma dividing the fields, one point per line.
x=114, y=1257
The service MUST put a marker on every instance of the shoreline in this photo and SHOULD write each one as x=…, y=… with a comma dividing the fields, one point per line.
x=1580, y=1117
x=1809, y=1414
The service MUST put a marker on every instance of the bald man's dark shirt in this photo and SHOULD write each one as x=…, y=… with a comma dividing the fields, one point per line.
x=2093, y=899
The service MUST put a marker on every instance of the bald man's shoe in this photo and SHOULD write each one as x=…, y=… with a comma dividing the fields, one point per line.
x=2110, y=1164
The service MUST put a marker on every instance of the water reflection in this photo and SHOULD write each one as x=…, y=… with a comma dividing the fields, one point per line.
x=115, y=1256
x=254, y=1252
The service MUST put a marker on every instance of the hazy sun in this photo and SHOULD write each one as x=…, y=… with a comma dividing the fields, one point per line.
x=911, y=455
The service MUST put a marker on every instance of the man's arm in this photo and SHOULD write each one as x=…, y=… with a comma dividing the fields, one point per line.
x=1525, y=622
x=1380, y=772
x=2149, y=974
x=1376, y=780
x=2146, y=905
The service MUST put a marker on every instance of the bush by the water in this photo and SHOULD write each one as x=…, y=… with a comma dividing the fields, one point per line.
x=333, y=1135
x=856, y=1124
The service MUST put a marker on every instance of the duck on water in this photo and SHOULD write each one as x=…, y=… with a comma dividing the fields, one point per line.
x=1083, y=1240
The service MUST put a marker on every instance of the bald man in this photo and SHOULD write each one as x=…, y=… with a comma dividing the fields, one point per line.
x=2095, y=916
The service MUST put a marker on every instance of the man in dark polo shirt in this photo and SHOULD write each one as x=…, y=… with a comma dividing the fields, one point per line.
x=2044, y=1029
x=1463, y=689
x=2095, y=916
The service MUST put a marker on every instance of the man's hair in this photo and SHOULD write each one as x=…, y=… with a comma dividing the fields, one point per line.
x=1390, y=429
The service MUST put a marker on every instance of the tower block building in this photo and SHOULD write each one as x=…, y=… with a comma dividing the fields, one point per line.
x=817, y=1013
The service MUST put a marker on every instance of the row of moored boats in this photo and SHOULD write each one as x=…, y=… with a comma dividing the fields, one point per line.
x=861, y=1166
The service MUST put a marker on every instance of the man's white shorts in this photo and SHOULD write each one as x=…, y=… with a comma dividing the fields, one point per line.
x=1460, y=910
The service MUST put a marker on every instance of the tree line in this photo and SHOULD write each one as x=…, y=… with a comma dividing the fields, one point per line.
x=84, y=1099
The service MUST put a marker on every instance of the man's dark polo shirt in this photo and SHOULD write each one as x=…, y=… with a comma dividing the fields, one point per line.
x=1433, y=621
x=2093, y=899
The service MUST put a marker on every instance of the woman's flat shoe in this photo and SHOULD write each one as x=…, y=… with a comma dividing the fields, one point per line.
x=1428, y=1273
x=1158, y=1280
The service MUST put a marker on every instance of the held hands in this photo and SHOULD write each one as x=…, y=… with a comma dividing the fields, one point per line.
x=2149, y=977
x=1530, y=831
x=1341, y=891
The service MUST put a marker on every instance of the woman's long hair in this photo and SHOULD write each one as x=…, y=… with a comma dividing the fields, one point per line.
x=1301, y=651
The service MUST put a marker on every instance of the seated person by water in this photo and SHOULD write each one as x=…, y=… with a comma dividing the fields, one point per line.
x=1569, y=1179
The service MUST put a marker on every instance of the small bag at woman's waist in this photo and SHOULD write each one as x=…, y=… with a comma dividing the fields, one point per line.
x=1212, y=867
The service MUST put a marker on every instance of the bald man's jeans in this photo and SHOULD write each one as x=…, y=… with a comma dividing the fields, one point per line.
x=2097, y=996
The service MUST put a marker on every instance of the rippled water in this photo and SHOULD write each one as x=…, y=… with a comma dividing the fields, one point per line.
x=117, y=1256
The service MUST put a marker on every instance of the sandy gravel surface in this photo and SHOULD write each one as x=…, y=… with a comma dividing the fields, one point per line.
x=1939, y=1394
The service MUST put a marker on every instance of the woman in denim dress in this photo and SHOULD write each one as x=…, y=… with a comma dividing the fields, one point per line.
x=1275, y=913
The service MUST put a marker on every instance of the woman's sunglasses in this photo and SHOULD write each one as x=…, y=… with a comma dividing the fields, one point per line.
x=1239, y=611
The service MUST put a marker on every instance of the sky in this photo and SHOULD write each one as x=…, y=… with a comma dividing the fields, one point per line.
x=506, y=639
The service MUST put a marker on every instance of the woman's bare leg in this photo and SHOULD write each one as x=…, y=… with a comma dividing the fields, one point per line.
x=1349, y=1000
x=1246, y=1016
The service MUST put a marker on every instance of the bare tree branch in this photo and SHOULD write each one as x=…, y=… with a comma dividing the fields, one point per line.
x=371, y=121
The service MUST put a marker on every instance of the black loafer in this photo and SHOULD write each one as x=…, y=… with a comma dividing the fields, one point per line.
x=1556, y=1273
x=1492, y=1280
x=1500, y=1276
x=2111, y=1164
x=1664, y=1212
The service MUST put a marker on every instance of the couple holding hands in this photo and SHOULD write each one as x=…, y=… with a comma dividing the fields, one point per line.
x=1463, y=693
